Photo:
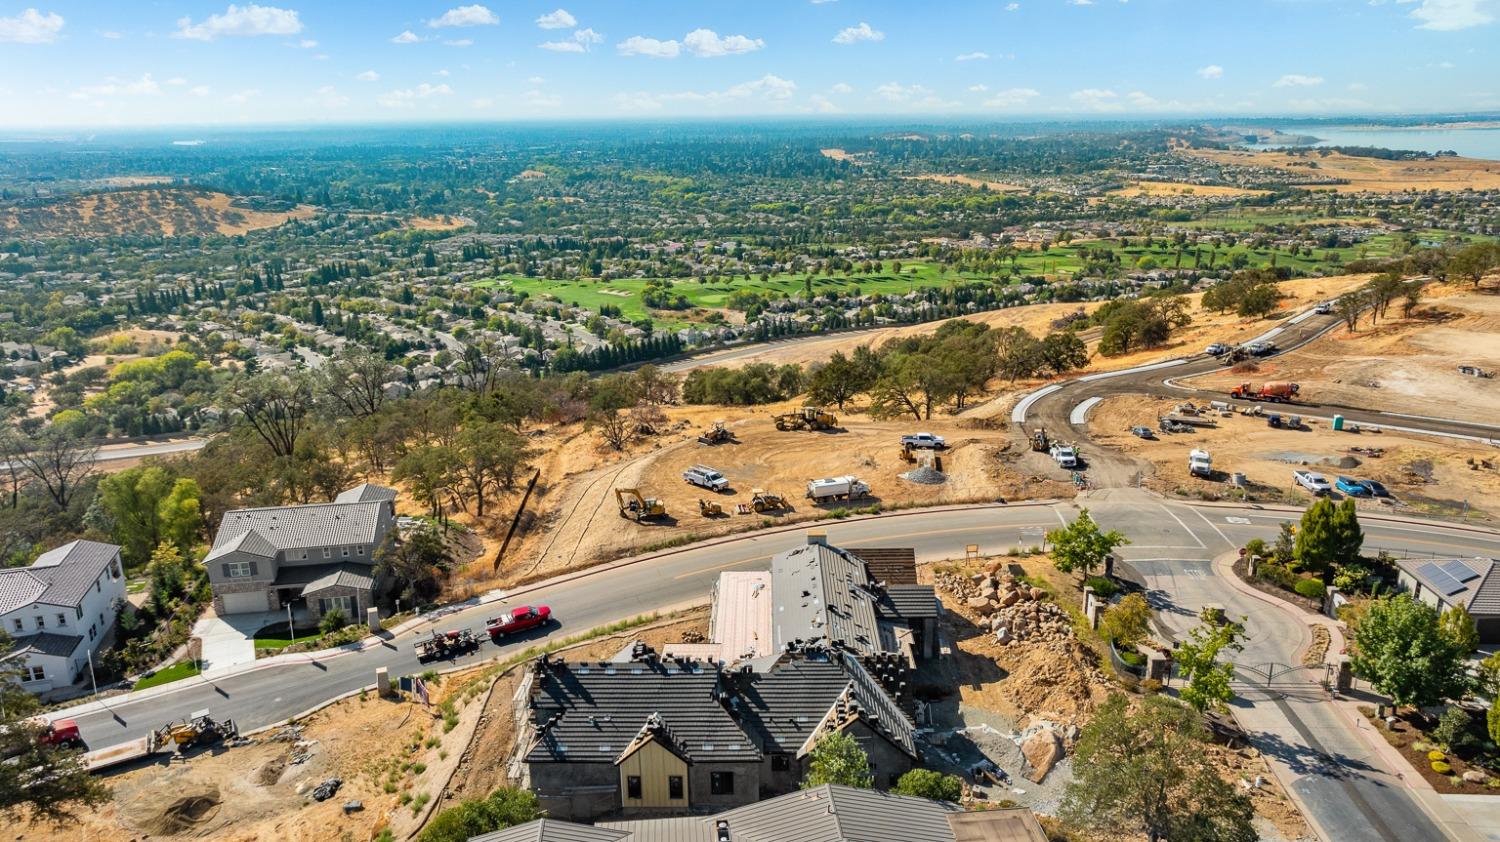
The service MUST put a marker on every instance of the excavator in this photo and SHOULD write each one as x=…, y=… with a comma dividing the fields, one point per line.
x=638, y=507
x=809, y=417
x=718, y=434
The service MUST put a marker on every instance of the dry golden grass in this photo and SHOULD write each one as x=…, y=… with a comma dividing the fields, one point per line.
x=1369, y=175
x=437, y=223
x=160, y=211
x=1177, y=188
x=969, y=181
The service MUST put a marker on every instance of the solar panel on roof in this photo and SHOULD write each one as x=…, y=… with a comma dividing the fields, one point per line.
x=1440, y=579
x=1458, y=570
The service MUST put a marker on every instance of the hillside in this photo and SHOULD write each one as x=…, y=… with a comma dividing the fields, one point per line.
x=155, y=211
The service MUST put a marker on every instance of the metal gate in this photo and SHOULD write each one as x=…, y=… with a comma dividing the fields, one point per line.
x=1284, y=676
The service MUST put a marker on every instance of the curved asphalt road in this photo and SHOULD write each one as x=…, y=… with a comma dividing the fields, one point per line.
x=1342, y=783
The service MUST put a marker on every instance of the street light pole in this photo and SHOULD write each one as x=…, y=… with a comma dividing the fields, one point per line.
x=92, y=680
x=290, y=629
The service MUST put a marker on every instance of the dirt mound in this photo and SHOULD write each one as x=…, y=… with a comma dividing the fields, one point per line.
x=270, y=773
x=177, y=813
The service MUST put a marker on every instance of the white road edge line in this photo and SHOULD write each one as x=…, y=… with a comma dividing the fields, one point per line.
x=1213, y=526
x=1191, y=533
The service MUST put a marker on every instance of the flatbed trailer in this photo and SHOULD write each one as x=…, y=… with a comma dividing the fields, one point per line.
x=138, y=749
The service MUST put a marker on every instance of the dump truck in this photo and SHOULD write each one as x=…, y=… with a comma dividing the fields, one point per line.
x=837, y=488
x=1200, y=464
x=809, y=417
x=638, y=507
x=717, y=434
x=1271, y=392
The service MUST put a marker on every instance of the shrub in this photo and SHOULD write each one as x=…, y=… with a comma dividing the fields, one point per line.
x=503, y=808
x=1441, y=767
x=925, y=783
x=1102, y=586
x=1276, y=574
x=333, y=621
x=1452, y=730
x=1436, y=755
x=1255, y=546
x=1310, y=588
x=1150, y=685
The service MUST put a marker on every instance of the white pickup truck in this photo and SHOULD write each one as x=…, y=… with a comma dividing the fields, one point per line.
x=924, y=441
x=1065, y=455
x=1316, y=483
x=706, y=477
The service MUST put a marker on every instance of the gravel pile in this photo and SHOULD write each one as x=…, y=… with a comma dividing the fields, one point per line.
x=925, y=475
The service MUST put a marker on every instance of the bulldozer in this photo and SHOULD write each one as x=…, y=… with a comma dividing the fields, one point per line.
x=1039, y=440
x=200, y=729
x=762, y=501
x=709, y=508
x=638, y=507
x=718, y=434
x=809, y=417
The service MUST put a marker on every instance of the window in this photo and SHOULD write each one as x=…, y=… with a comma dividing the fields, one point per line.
x=633, y=786
x=19, y=626
x=62, y=620
x=40, y=623
x=674, y=787
x=359, y=550
x=304, y=555
x=97, y=589
x=238, y=569
x=343, y=603
x=328, y=552
x=345, y=551
x=78, y=612
x=721, y=783
x=33, y=674
x=91, y=632
x=781, y=762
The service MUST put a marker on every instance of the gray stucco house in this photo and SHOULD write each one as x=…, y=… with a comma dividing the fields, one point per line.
x=321, y=555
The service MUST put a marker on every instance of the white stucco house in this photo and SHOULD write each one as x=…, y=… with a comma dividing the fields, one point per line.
x=58, y=610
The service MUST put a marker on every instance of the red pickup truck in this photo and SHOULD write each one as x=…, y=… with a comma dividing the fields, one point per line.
x=521, y=619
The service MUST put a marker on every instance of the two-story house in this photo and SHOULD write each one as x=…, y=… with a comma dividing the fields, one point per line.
x=58, y=610
x=320, y=555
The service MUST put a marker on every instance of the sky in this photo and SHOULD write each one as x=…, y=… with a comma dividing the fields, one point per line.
x=176, y=62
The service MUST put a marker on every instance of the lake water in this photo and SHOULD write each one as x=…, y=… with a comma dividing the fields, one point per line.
x=1470, y=143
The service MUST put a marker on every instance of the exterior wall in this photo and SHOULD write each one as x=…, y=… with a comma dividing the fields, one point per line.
x=1409, y=583
x=576, y=791
x=746, y=785
x=357, y=554
x=653, y=764
x=265, y=571
x=360, y=596
x=887, y=762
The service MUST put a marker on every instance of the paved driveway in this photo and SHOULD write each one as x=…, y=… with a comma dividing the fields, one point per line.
x=231, y=640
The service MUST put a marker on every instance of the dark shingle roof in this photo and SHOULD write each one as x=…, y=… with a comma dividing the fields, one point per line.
x=366, y=493
x=892, y=565
x=551, y=830
x=821, y=593
x=907, y=602
x=341, y=576
x=47, y=643
x=603, y=709
x=838, y=814
x=60, y=576
x=316, y=525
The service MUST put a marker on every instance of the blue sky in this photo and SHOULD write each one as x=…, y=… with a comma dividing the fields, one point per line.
x=193, y=61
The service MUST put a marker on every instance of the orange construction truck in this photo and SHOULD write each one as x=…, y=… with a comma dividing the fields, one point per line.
x=1272, y=392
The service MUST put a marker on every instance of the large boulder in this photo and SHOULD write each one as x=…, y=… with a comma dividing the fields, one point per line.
x=1474, y=776
x=1042, y=750
x=980, y=605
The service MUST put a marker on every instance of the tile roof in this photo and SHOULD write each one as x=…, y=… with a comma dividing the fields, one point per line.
x=1480, y=594
x=820, y=593
x=552, y=830
x=47, y=643
x=1014, y=825
x=892, y=565
x=251, y=543
x=366, y=493
x=907, y=602
x=60, y=576
x=344, y=576
x=314, y=525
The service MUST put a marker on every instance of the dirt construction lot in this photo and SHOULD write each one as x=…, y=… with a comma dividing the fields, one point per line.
x=1424, y=474
x=1369, y=175
x=1400, y=365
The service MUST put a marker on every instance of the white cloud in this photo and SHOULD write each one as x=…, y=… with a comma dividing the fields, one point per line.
x=245, y=21
x=200, y=90
x=482, y=103
x=768, y=86
x=559, y=19
x=1096, y=99
x=821, y=2
x=536, y=80
x=1451, y=15
x=1212, y=71
x=842, y=88
x=31, y=27
x=1082, y=2
x=110, y=34
x=1011, y=7
x=855, y=34
x=1011, y=97
x=306, y=44
x=368, y=76
x=1297, y=80
x=1141, y=99
x=443, y=73
x=539, y=99
x=406, y=37
x=580, y=43
x=407, y=97
x=177, y=82
x=705, y=43
x=473, y=15
x=979, y=88
x=974, y=56
x=637, y=45
x=329, y=97
x=822, y=104
x=896, y=92
x=116, y=87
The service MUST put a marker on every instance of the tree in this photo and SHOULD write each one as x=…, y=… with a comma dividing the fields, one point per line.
x=489, y=455
x=355, y=381
x=1147, y=772
x=1349, y=306
x=1492, y=721
x=836, y=758
x=429, y=471
x=925, y=783
x=1411, y=296
x=1082, y=546
x=59, y=461
x=1258, y=300
x=505, y=807
x=1458, y=625
x=1128, y=622
x=147, y=505
x=1328, y=536
x=612, y=396
x=1382, y=290
x=1473, y=262
x=276, y=407
x=1063, y=351
x=1400, y=648
x=838, y=380
x=44, y=781
x=1019, y=353
x=1197, y=660
x=413, y=563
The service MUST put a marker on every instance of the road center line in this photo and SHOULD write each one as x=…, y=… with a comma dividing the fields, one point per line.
x=1213, y=526
x=1191, y=533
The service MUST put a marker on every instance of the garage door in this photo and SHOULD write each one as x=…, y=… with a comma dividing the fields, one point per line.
x=244, y=603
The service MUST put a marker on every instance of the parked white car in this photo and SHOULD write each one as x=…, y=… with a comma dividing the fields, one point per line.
x=924, y=440
x=1316, y=483
x=706, y=477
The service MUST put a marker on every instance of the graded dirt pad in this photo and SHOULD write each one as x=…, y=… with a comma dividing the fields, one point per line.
x=1426, y=474
x=970, y=181
x=1176, y=188
x=148, y=211
x=438, y=223
x=1402, y=365
x=1207, y=327
x=1368, y=175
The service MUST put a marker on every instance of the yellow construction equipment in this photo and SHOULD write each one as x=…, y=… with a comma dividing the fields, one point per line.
x=809, y=417
x=638, y=507
x=709, y=508
x=200, y=729
x=1039, y=441
x=762, y=501
x=718, y=434
x=908, y=455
